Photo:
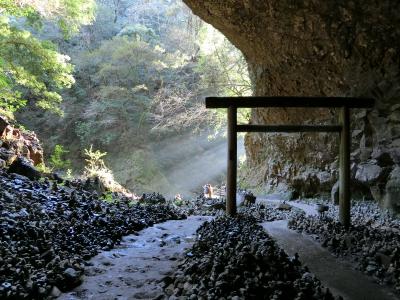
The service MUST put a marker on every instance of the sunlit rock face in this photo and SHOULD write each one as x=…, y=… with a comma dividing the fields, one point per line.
x=318, y=48
x=16, y=143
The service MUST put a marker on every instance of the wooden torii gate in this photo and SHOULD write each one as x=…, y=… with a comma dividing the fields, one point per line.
x=343, y=128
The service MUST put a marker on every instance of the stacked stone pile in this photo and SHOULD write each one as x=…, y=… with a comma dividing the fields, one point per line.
x=263, y=212
x=234, y=258
x=373, y=240
x=48, y=231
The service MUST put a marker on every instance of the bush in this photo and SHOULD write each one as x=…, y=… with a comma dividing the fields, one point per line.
x=96, y=168
x=57, y=159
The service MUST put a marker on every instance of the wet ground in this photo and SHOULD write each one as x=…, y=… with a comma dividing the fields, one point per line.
x=336, y=274
x=134, y=269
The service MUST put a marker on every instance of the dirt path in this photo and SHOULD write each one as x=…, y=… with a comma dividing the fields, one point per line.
x=134, y=269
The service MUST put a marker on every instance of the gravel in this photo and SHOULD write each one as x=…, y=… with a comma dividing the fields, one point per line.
x=234, y=258
x=48, y=232
x=263, y=212
x=373, y=240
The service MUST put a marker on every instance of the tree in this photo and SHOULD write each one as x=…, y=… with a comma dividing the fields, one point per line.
x=29, y=67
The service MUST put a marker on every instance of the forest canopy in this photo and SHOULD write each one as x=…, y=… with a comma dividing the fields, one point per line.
x=137, y=73
x=30, y=67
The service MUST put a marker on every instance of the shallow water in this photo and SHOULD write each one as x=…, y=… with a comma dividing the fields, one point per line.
x=134, y=269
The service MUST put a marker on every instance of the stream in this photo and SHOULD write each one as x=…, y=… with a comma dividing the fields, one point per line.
x=134, y=270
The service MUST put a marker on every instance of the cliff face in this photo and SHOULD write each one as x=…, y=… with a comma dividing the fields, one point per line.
x=16, y=143
x=319, y=48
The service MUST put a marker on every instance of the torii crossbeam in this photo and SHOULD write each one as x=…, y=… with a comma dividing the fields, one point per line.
x=343, y=128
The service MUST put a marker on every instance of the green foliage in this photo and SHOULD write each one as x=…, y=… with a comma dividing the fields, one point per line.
x=139, y=32
x=68, y=14
x=96, y=168
x=43, y=168
x=30, y=68
x=125, y=70
x=114, y=116
x=57, y=162
x=125, y=61
x=142, y=70
x=108, y=197
x=145, y=170
x=57, y=159
x=71, y=14
x=68, y=174
x=94, y=162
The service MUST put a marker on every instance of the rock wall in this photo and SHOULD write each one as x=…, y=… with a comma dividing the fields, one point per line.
x=318, y=48
x=16, y=143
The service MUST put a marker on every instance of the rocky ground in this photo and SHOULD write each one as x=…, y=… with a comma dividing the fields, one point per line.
x=263, y=212
x=234, y=258
x=135, y=269
x=373, y=241
x=48, y=231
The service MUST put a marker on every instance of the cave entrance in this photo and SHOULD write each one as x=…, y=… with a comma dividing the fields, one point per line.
x=343, y=128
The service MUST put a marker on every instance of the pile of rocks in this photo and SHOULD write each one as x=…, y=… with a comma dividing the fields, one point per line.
x=247, y=197
x=263, y=212
x=49, y=230
x=152, y=198
x=269, y=212
x=373, y=240
x=202, y=206
x=234, y=258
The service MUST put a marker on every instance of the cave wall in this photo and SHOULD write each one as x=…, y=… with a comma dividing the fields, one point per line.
x=319, y=48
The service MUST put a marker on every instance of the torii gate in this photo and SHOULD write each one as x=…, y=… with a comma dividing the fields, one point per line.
x=343, y=128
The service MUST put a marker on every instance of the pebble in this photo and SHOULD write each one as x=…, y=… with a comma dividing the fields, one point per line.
x=48, y=231
x=234, y=258
x=373, y=240
x=265, y=212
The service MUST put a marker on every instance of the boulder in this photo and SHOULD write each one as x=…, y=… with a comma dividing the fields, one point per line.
x=312, y=182
x=284, y=206
x=322, y=208
x=7, y=155
x=249, y=199
x=377, y=192
x=35, y=154
x=55, y=292
x=16, y=142
x=72, y=278
x=357, y=190
x=335, y=193
x=3, y=125
x=24, y=167
x=368, y=173
x=383, y=157
x=392, y=190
